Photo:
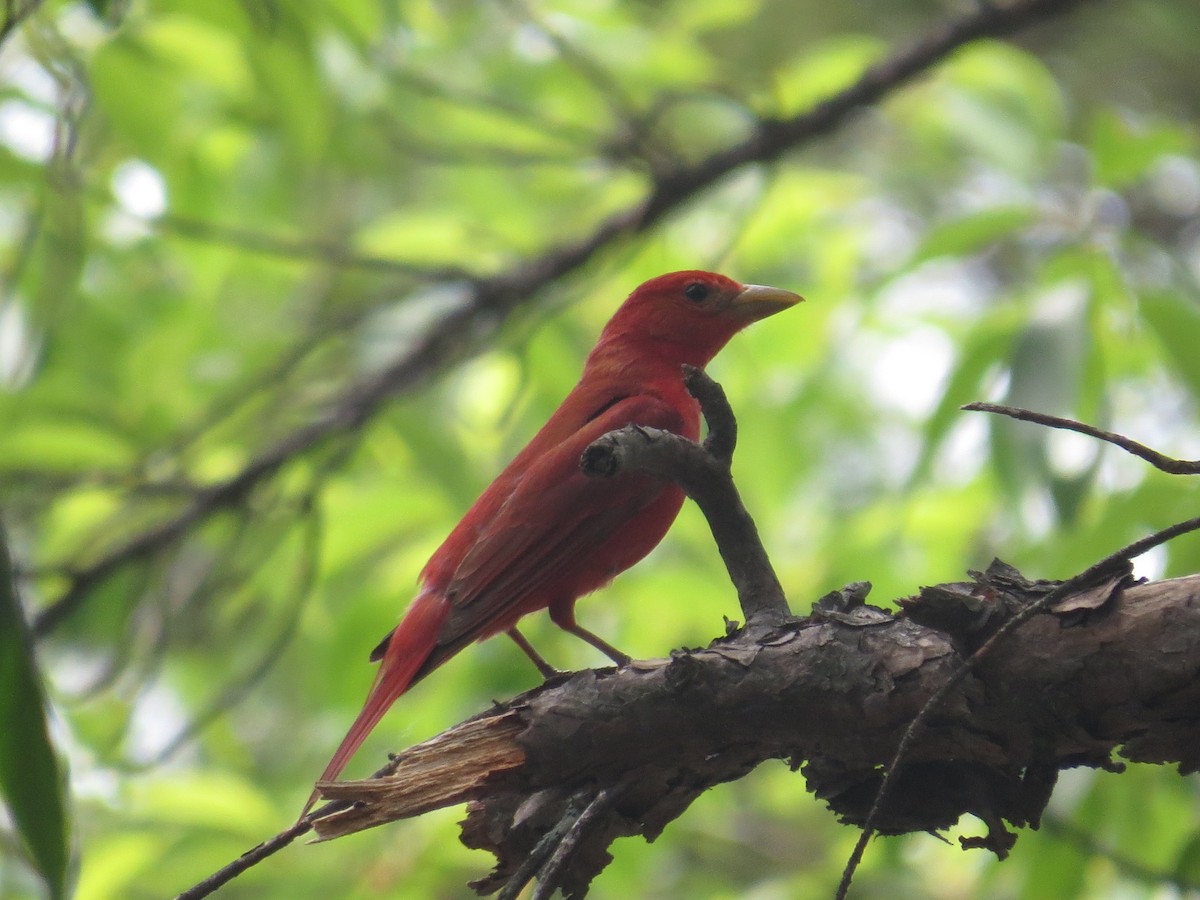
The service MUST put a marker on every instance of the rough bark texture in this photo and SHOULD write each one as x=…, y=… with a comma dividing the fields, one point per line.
x=1113, y=667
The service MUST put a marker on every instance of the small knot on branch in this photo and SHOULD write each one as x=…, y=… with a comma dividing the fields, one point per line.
x=611, y=454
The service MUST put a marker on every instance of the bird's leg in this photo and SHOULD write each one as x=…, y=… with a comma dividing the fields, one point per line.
x=621, y=659
x=548, y=671
x=564, y=618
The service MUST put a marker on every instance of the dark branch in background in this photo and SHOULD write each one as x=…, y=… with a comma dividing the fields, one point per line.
x=492, y=298
x=703, y=473
x=1160, y=461
x=774, y=137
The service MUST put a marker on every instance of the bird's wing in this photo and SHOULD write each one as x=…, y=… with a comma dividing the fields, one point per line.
x=551, y=533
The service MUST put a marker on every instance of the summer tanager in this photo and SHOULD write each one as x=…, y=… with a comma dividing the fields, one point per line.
x=543, y=534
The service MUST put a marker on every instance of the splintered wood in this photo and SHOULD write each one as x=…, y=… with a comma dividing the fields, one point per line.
x=447, y=769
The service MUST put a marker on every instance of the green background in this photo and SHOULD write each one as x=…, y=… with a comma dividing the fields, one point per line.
x=218, y=217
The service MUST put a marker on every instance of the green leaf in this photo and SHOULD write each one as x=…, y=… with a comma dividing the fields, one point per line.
x=1187, y=865
x=1124, y=150
x=29, y=773
x=825, y=69
x=974, y=232
x=981, y=350
x=1176, y=322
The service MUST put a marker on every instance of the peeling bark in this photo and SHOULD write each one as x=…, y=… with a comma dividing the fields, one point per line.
x=1114, y=667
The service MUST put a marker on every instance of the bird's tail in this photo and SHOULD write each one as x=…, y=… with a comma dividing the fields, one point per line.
x=408, y=648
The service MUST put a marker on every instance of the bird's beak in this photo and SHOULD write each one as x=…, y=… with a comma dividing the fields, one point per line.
x=757, y=301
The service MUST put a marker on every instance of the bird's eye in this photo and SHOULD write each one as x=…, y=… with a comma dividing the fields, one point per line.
x=696, y=292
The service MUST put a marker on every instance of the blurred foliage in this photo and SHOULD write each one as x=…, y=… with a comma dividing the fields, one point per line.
x=217, y=217
x=30, y=778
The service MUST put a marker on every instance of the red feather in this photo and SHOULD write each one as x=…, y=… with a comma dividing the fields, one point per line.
x=542, y=535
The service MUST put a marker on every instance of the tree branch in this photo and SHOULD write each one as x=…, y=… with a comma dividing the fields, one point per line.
x=1160, y=461
x=1095, y=583
x=833, y=695
x=1089, y=589
x=703, y=474
x=977, y=622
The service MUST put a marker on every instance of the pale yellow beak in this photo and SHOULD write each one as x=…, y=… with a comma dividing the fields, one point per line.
x=757, y=301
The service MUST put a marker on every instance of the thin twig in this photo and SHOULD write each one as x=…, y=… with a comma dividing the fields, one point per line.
x=532, y=863
x=551, y=873
x=250, y=858
x=1168, y=464
x=1083, y=579
x=271, y=846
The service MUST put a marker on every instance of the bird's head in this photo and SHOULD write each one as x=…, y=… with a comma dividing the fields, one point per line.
x=690, y=315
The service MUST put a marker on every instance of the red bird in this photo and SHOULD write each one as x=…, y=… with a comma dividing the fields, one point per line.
x=543, y=534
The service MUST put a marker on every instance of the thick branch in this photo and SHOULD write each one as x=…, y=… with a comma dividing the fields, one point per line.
x=833, y=694
x=775, y=137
